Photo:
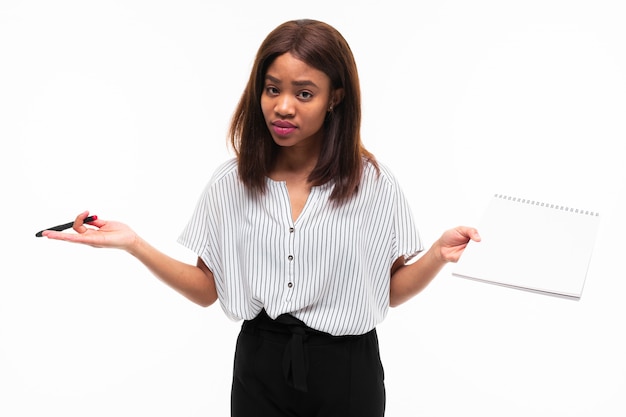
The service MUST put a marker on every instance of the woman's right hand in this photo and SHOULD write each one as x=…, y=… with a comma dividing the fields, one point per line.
x=106, y=234
x=196, y=282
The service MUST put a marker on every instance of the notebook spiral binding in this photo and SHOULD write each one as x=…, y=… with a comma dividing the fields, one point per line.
x=546, y=205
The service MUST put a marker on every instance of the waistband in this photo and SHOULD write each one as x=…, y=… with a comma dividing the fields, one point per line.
x=297, y=337
x=285, y=324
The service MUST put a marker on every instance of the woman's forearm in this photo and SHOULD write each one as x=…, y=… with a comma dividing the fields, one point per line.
x=408, y=280
x=194, y=282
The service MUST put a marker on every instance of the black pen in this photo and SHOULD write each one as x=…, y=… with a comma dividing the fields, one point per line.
x=62, y=227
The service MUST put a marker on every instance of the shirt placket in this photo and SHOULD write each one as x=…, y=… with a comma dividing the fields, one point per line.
x=291, y=265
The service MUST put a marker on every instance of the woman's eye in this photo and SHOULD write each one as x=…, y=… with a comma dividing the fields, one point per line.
x=271, y=90
x=305, y=95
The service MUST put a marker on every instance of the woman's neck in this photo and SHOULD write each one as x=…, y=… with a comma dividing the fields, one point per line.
x=294, y=163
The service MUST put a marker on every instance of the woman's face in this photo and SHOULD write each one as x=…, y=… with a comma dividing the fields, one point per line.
x=295, y=100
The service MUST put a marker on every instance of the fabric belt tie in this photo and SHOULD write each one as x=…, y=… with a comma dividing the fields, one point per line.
x=295, y=358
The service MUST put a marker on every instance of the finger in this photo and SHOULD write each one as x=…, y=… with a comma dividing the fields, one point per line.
x=474, y=235
x=68, y=237
x=97, y=223
x=79, y=222
x=470, y=232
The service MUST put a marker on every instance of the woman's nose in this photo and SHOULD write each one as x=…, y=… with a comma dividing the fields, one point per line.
x=284, y=106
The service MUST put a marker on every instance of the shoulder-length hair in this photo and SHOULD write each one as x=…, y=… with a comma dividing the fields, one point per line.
x=342, y=154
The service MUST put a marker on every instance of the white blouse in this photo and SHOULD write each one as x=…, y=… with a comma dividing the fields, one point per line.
x=330, y=268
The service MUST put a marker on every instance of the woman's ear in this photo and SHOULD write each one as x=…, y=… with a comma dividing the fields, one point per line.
x=335, y=98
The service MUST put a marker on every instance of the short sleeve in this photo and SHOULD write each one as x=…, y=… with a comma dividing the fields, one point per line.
x=408, y=243
x=203, y=232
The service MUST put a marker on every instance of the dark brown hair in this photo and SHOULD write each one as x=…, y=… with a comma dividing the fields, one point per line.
x=341, y=156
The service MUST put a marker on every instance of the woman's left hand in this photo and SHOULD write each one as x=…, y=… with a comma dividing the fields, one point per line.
x=453, y=242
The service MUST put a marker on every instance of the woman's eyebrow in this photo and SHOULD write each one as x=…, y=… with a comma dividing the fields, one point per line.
x=272, y=79
x=302, y=83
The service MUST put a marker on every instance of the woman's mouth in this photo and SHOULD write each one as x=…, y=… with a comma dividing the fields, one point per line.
x=282, y=128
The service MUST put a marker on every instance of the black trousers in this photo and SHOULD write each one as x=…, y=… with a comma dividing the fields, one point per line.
x=283, y=368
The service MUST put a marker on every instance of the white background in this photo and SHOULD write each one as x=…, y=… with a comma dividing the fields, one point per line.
x=121, y=108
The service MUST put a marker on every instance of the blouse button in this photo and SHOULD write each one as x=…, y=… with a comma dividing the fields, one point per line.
x=290, y=257
x=291, y=230
x=290, y=284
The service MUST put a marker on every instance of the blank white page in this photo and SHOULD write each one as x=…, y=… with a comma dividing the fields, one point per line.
x=532, y=245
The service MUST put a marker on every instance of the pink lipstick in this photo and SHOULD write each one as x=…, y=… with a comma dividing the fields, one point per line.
x=282, y=128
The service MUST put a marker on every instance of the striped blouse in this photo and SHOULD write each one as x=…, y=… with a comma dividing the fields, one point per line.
x=330, y=268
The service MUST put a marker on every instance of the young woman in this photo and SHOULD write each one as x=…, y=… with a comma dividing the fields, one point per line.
x=303, y=235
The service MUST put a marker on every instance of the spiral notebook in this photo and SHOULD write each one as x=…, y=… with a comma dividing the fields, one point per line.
x=532, y=245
